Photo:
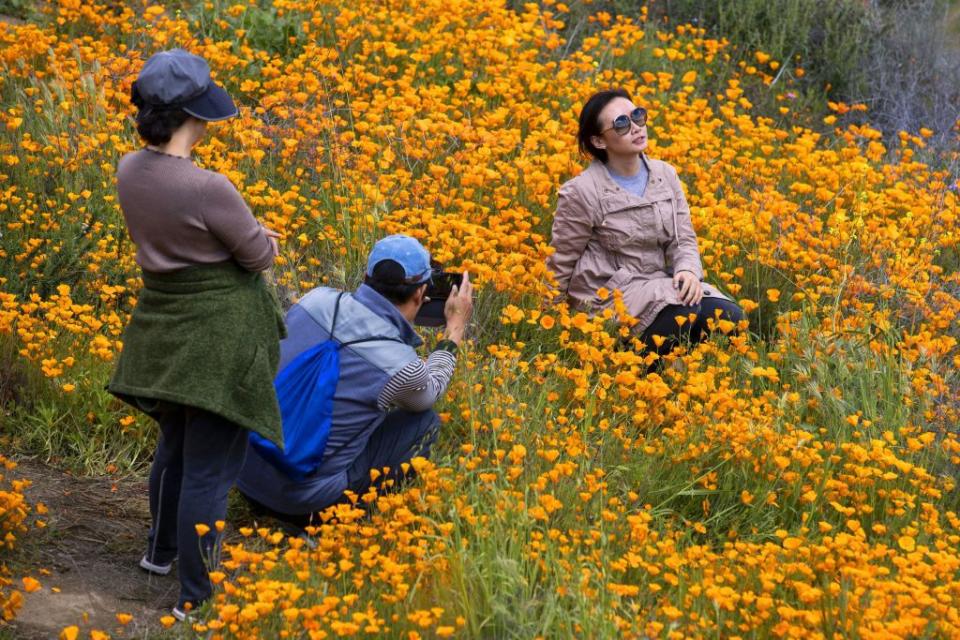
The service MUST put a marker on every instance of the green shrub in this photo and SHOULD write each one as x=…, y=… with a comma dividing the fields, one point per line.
x=21, y=9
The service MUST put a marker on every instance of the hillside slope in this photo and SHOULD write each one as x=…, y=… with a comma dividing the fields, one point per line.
x=792, y=479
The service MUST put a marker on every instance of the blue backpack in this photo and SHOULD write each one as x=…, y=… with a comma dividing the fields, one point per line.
x=305, y=390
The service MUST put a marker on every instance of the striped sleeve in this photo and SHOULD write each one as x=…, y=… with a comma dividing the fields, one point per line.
x=420, y=384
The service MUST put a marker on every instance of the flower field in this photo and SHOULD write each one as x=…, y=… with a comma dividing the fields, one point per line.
x=16, y=517
x=795, y=479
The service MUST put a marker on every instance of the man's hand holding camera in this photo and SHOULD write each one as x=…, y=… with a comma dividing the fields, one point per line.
x=458, y=309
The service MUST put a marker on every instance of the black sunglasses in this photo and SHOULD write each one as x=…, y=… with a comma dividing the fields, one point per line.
x=621, y=124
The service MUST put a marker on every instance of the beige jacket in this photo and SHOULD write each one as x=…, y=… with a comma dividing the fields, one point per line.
x=604, y=236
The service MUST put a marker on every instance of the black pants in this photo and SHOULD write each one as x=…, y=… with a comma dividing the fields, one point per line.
x=197, y=460
x=665, y=324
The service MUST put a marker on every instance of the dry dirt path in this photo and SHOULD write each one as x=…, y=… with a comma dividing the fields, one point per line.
x=94, y=538
x=91, y=545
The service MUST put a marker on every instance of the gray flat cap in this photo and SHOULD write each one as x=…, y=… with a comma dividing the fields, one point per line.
x=177, y=78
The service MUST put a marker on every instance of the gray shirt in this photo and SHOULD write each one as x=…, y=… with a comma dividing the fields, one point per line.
x=180, y=215
x=635, y=184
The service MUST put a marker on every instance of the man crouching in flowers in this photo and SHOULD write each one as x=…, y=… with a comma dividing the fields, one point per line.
x=382, y=414
x=624, y=224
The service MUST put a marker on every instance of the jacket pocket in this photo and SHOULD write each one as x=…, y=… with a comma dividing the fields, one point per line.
x=624, y=223
x=616, y=229
x=667, y=217
x=618, y=280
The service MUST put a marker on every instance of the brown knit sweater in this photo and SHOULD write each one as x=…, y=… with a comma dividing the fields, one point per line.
x=180, y=215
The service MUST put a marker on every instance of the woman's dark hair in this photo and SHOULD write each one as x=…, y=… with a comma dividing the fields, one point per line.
x=156, y=123
x=590, y=121
x=389, y=280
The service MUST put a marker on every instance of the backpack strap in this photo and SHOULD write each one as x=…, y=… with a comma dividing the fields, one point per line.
x=369, y=336
x=336, y=314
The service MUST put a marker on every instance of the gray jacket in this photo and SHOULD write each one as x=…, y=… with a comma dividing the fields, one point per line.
x=364, y=370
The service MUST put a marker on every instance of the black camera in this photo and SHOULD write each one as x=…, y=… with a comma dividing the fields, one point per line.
x=438, y=290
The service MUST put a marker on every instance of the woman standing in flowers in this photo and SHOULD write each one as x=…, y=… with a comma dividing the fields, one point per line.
x=202, y=346
x=624, y=224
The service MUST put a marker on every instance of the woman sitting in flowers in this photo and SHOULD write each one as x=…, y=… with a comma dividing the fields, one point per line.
x=624, y=224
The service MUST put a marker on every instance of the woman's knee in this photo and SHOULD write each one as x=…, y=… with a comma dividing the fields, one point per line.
x=728, y=309
x=667, y=325
x=732, y=311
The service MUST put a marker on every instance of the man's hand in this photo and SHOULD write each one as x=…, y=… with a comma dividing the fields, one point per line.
x=690, y=290
x=458, y=309
x=273, y=235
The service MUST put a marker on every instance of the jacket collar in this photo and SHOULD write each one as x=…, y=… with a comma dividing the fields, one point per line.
x=602, y=177
x=388, y=311
x=605, y=185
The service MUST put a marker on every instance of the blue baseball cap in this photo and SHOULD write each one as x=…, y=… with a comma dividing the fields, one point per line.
x=405, y=251
x=177, y=78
